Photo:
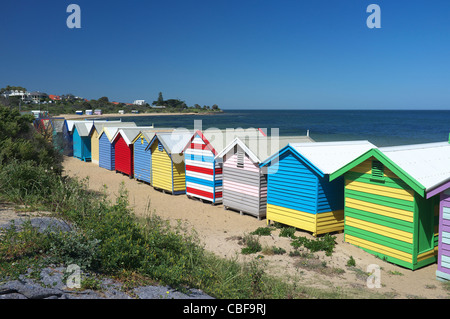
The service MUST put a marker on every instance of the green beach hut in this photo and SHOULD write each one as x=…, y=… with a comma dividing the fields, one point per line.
x=390, y=208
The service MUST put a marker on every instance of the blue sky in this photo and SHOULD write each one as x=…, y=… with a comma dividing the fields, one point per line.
x=237, y=54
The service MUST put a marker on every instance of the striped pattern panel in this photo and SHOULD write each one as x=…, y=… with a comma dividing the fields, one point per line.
x=316, y=223
x=444, y=235
x=142, y=160
x=123, y=156
x=106, y=153
x=203, y=173
x=94, y=147
x=244, y=187
x=161, y=169
x=179, y=177
x=379, y=215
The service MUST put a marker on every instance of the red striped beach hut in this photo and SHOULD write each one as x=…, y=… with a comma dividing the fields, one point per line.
x=203, y=171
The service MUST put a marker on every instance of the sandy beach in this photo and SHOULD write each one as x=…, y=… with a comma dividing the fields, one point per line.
x=220, y=230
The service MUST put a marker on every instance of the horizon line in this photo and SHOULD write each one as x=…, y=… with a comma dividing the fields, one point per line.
x=341, y=109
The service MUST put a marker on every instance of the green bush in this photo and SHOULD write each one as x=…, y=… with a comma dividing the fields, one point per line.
x=74, y=248
x=325, y=243
x=20, y=141
x=351, y=262
x=287, y=232
x=262, y=231
x=252, y=245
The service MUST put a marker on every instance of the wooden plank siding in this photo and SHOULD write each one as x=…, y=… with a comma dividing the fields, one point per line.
x=123, y=156
x=142, y=160
x=94, y=147
x=443, y=264
x=166, y=174
x=203, y=172
x=179, y=178
x=81, y=146
x=299, y=197
x=244, y=185
x=381, y=217
x=106, y=153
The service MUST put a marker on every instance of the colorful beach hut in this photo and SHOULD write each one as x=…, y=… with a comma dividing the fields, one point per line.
x=106, y=153
x=82, y=141
x=392, y=201
x=443, y=262
x=123, y=149
x=299, y=192
x=143, y=156
x=94, y=136
x=168, y=167
x=244, y=182
x=203, y=171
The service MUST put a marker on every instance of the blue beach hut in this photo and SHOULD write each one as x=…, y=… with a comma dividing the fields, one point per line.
x=106, y=153
x=82, y=140
x=299, y=192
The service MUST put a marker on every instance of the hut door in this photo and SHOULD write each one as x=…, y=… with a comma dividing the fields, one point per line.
x=425, y=223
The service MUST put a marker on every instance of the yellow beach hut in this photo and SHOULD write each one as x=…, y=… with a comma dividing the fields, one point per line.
x=168, y=168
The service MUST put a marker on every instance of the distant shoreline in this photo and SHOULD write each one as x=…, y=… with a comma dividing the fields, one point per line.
x=84, y=116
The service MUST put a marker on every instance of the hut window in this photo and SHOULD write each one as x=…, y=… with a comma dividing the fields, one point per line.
x=160, y=147
x=377, y=171
x=240, y=159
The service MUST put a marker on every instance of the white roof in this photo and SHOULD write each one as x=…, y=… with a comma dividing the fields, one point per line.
x=98, y=126
x=261, y=147
x=129, y=133
x=110, y=131
x=71, y=123
x=331, y=156
x=219, y=139
x=428, y=163
x=83, y=128
x=150, y=133
x=174, y=142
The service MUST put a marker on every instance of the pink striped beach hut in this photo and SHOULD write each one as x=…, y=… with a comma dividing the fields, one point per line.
x=244, y=183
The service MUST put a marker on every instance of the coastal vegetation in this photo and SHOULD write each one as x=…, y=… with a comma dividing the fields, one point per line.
x=69, y=104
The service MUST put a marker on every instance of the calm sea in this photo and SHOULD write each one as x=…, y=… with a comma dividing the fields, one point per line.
x=382, y=128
